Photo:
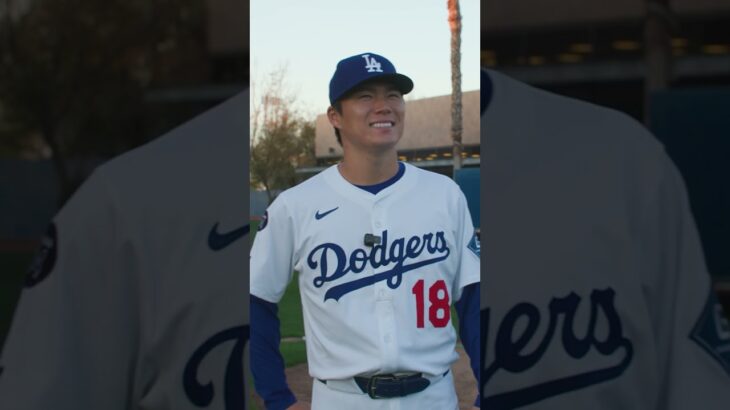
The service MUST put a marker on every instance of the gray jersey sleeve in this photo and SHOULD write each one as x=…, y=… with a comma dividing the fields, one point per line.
x=690, y=330
x=72, y=341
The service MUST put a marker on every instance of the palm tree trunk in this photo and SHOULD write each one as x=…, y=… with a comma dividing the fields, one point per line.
x=657, y=51
x=456, y=122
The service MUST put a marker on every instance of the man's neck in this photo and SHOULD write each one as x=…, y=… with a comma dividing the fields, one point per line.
x=368, y=169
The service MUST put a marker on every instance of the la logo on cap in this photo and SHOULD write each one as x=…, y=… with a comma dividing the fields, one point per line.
x=371, y=64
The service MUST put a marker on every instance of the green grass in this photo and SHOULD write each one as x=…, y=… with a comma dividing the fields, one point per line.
x=292, y=325
x=290, y=311
x=294, y=353
x=455, y=320
x=254, y=229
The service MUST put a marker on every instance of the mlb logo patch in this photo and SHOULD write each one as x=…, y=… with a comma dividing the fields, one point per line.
x=264, y=221
x=474, y=245
x=712, y=332
x=45, y=258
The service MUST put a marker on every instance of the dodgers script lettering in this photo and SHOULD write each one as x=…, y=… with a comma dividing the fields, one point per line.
x=394, y=255
x=510, y=352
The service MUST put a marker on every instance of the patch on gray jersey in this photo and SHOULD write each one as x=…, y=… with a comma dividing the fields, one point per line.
x=474, y=245
x=712, y=332
x=45, y=258
x=264, y=221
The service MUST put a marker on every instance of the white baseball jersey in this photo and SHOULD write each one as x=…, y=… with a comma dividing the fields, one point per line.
x=370, y=309
x=138, y=299
x=595, y=292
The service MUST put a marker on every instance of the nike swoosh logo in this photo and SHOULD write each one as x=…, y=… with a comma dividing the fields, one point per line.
x=218, y=241
x=322, y=215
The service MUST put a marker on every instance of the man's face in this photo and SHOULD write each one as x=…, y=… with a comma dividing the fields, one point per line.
x=372, y=117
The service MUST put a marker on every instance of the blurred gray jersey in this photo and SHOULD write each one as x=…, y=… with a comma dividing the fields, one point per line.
x=138, y=298
x=595, y=292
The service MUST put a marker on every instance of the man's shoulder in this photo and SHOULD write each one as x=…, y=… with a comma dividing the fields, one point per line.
x=528, y=131
x=303, y=192
x=209, y=148
x=430, y=179
x=191, y=167
x=521, y=111
x=194, y=146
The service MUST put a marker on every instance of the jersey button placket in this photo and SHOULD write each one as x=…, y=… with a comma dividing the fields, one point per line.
x=384, y=297
x=376, y=225
x=378, y=293
x=386, y=327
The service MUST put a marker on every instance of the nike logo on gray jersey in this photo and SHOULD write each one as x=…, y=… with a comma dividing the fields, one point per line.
x=218, y=241
x=322, y=215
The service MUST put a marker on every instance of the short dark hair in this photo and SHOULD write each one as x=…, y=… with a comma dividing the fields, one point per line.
x=338, y=107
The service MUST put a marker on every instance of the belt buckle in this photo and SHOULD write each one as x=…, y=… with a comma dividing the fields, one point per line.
x=371, y=385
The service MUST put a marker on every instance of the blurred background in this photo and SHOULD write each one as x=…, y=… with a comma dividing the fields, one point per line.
x=291, y=138
x=82, y=81
x=664, y=62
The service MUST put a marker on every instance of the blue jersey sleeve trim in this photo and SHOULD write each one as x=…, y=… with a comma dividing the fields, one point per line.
x=374, y=189
x=267, y=364
x=467, y=309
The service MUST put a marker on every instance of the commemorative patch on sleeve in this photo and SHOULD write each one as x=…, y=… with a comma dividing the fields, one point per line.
x=474, y=245
x=712, y=332
x=264, y=221
x=45, y=258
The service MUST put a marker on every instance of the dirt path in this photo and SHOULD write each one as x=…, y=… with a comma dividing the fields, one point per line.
x=301, y=384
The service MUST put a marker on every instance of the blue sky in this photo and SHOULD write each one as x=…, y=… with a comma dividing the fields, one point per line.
x=311, y=36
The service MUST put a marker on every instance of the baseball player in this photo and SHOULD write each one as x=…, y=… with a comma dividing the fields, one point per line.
x=598, y=294
x=137, y=299
x=383, y=250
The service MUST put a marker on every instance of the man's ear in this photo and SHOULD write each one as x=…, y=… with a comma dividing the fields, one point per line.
x=334, y=117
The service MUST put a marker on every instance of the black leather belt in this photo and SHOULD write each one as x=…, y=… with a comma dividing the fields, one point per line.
x=387, y=386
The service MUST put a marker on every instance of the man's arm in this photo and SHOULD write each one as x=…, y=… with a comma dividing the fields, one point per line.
x=72, y=344
x=467, y=293
x=467, y=309
x=267, y=364
x=271, y=272
x=691, y=331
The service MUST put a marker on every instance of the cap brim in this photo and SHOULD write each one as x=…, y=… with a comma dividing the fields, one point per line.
x=404, y=84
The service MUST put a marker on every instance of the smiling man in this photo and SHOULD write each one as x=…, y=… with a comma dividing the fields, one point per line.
x=383, y=249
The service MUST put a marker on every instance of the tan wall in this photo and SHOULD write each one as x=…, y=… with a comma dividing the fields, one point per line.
x=228, y=26
x=428, y=124
x=498, y=15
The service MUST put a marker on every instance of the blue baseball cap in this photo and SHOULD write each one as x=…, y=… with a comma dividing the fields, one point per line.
x=360, y=68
